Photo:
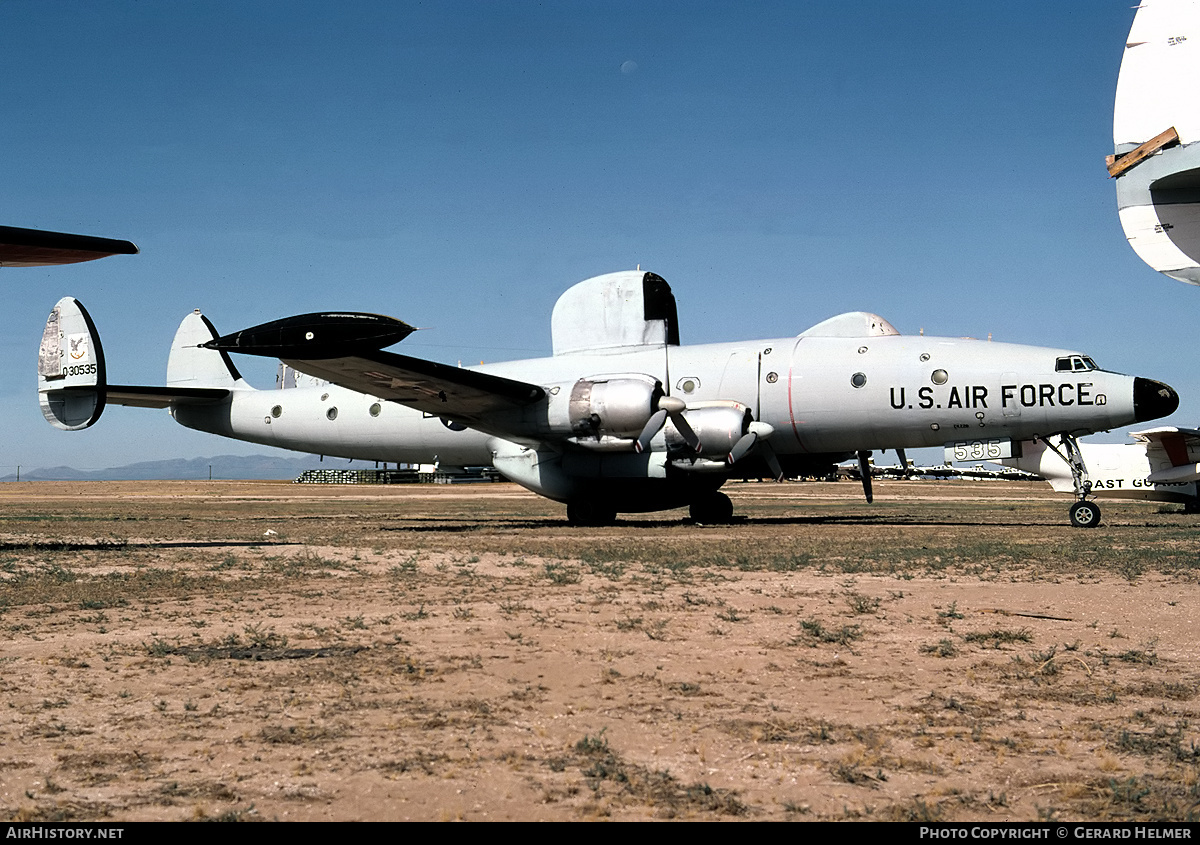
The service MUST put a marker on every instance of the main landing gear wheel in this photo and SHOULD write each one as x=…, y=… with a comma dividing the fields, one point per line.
x=590, y=513
x=713, y=509
x=1085, y=514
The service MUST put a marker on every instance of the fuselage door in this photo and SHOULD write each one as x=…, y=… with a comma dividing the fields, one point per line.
x=1011, y=409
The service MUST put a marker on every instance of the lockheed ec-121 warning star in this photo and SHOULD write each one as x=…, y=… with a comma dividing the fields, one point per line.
x=621, y=418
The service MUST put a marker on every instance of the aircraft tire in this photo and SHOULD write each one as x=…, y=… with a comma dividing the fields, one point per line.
x=1085, y=514
x=713, y=509
x=590, y=513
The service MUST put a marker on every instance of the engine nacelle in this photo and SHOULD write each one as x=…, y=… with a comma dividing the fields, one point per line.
x=718, y=425
x=612, y=406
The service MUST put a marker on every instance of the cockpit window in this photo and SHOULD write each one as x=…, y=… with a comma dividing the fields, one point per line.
x=1075, y=364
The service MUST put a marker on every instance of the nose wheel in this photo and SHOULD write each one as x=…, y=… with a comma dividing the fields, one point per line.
x=1085, y=514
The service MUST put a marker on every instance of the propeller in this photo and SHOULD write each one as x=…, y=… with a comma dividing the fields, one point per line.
x=668, y=406
x=906, y=470
x=757, y=434
x=865, y=469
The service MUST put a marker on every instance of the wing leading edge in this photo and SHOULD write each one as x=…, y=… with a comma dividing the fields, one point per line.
x=441, y=390
x=1172, y=453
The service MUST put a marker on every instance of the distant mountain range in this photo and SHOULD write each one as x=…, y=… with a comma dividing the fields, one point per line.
x=228, y=467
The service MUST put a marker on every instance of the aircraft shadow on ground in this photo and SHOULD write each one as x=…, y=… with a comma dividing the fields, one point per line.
x=866, y=520
x=122, y=545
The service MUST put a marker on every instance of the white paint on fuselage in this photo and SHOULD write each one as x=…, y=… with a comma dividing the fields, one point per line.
x=803, y=387
x=396, y=434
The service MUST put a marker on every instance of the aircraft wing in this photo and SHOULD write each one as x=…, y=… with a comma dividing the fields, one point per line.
x=345, y=348
x=39, y=248
x=437, y=389
x=1173, y=453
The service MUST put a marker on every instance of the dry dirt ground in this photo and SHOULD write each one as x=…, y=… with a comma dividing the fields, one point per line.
x=272, y=651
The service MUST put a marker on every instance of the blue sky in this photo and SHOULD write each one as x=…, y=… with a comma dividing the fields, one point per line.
x=460, y=164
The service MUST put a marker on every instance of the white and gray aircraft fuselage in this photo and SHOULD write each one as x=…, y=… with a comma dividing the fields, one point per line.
x=803, y=387
x=621, y=417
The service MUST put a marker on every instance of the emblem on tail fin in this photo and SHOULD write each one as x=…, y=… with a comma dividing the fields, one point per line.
x=78, y=347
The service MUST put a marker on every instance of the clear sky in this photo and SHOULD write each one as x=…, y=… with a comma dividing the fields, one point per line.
x=460, y=164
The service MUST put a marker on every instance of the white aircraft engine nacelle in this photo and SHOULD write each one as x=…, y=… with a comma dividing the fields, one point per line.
x=601, y=408
x=718, y=425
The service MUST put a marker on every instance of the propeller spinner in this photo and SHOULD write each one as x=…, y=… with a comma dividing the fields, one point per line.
x=757, y=434
x=668, y=406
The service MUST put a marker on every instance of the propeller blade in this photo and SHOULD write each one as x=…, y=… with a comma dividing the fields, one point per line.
x=772, y=460
x=653, y=426
x=744, y=445
x=685, y=430
x=905, y=468
x=865, y=469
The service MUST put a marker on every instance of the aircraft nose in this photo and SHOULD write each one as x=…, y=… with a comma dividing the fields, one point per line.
x=1153, y=399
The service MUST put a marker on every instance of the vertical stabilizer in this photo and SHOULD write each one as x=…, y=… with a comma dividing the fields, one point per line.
x=71, y=377
x=190, y=365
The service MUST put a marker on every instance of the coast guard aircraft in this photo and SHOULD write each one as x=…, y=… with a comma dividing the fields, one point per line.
x=1162, y=466
x=622, y=417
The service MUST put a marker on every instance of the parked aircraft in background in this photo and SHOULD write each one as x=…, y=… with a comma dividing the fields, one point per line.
x=1156, y=124
x=1163, y=466
x=622, y=417
x=39, y=248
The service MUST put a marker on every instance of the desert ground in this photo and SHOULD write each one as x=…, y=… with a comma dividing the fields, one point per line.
x=262, y=650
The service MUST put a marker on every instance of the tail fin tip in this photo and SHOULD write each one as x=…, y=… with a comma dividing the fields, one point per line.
x=190, y=365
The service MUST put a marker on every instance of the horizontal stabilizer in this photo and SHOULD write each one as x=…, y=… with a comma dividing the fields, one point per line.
x=142, y=396
x=38, y=248
x=149, y=396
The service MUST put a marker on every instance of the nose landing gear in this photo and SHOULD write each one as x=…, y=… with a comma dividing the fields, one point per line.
x=1084, y=514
